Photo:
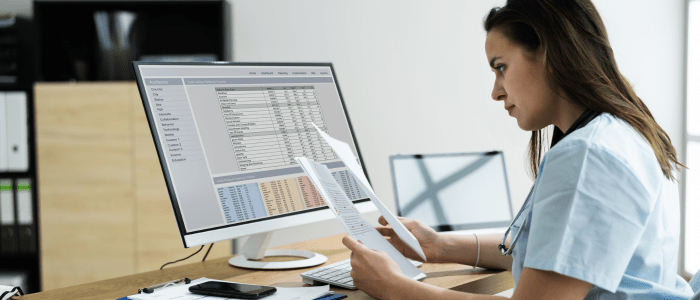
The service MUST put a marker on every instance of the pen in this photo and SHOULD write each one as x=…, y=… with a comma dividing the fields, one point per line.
x=151, y=289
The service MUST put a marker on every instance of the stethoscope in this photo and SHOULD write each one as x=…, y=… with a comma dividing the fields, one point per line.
x=589, y=115
x=502, y=245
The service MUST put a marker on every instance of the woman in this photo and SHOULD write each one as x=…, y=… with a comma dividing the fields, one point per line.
x=602, y=219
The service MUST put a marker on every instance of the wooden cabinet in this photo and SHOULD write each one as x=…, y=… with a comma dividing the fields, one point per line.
x=104, y=208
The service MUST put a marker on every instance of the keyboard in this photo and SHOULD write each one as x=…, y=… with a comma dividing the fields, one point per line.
x=337, y=274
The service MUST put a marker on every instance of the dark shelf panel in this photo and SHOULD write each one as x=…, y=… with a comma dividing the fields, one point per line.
x=71, y=49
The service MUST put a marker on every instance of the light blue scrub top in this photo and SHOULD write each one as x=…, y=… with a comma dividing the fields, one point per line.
x=602, y=211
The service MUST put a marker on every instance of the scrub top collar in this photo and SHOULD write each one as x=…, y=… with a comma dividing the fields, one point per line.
x=586, y=117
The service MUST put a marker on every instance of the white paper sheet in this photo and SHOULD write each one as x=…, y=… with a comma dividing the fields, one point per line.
x=346, y=155
x=5, y=288
x=350, y=217
x=182, y=292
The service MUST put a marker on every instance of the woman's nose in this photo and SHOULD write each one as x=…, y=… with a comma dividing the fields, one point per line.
x=498, y=92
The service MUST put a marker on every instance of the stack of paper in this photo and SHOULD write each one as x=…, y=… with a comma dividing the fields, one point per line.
x=349, y=216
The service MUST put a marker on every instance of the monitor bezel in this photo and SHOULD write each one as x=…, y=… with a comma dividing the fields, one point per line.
x=454, y=227
x=162, y=156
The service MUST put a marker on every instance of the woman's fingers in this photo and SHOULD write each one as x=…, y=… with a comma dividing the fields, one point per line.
x=403, y=220
x=352, y=244
x=386, y=231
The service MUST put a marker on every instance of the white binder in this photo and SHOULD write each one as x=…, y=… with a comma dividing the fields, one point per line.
x=26, y=232
x=17, y=140
x=3, y=133
x=25, y=214
x=7, y=204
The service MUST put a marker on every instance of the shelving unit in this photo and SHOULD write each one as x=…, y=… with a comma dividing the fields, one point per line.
x=63, y=155
x=19, y=218
x=94, y=44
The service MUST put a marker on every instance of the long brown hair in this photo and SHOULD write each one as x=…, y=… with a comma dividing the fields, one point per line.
x=580, y=67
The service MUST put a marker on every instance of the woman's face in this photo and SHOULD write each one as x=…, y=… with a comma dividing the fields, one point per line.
x=520, y=83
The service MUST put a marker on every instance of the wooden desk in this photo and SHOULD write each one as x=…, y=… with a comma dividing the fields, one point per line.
x=452, y=276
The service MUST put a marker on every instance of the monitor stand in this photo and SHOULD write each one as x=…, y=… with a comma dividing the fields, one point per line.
x=255, y=249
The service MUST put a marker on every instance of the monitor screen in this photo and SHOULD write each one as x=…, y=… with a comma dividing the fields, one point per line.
x=227, y=135
x=449, y=192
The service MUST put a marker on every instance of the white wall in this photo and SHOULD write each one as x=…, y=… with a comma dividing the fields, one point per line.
x=415, y=79
x=648, y=37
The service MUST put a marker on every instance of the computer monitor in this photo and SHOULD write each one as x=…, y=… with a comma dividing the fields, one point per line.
x=227, y=134
x=454, y=192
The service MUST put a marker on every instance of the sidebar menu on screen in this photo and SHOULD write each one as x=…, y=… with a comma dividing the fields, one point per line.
x=183, y=152
x=172, y=114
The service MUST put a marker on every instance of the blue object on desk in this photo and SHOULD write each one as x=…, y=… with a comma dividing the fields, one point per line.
x=332, y=297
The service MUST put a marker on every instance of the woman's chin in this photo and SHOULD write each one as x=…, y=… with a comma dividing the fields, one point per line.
x=522, y=124
x=527, y=126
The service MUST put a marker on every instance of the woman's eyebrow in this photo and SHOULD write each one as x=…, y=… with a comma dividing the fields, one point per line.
x=493, y=60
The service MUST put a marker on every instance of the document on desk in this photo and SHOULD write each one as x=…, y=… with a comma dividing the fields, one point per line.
x=182, y=292
x=346, y=155
x=350, y=217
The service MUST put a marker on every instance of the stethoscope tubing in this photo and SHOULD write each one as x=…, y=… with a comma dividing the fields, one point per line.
x=502, y=246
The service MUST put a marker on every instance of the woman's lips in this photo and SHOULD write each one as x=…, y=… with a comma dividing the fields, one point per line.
x=509, y=109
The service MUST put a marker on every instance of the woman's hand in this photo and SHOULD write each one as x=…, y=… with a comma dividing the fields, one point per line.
x=428, y=239
x=373, y=272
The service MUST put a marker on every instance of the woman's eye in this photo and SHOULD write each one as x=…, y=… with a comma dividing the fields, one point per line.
x=501, y=68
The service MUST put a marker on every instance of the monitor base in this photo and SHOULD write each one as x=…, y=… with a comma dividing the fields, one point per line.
x=312, y=259
x=255, y=249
